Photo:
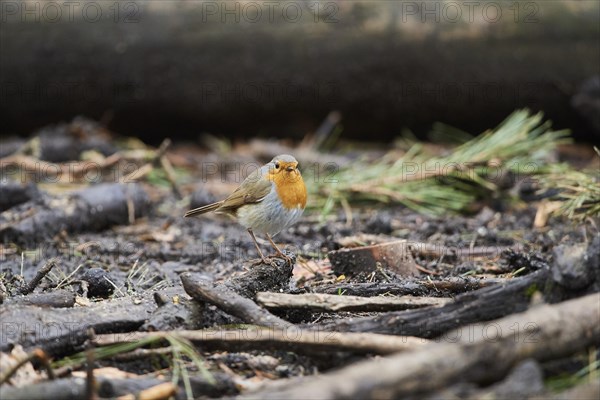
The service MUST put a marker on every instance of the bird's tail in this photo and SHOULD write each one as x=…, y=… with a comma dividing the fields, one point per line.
x=203, y=209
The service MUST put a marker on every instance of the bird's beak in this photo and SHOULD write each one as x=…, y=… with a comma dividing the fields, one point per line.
x=290, y=168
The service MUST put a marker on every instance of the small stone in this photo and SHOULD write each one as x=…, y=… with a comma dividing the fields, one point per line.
x=98, y=282
x=569, y=268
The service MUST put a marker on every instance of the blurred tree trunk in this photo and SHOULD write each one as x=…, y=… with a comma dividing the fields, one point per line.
x=174, y=68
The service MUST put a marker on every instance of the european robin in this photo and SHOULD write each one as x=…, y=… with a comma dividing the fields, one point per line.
x=269, y=200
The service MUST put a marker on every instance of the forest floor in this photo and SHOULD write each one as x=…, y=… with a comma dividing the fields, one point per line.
x=110, y=291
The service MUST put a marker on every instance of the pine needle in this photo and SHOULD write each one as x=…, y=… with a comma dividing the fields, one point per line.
x=520, y=145
x=579, y=192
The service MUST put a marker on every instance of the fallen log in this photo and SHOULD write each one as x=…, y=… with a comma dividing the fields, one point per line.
x=67, y=141
x=92, y=209
x=479, y=305
x=13, y=193
x=333, y=303
x=580, y=274
x=237, y=98
x=473, y=353
x=288, y=338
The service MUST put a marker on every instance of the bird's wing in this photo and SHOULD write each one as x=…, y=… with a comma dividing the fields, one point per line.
x=253, y=190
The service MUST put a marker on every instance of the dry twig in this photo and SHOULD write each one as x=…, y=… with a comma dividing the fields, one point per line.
x=290, y=338
x=545, y=332
x=334, y=303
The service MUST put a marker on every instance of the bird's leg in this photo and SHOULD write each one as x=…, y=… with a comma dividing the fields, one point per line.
x=278, y=250
x=262, y=257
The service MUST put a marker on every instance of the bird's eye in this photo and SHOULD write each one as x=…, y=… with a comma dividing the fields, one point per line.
x=277, y=165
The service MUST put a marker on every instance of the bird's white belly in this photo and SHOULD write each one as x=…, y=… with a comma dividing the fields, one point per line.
x=268, y=216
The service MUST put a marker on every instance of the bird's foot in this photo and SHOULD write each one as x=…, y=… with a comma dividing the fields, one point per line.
x=287, y=256
x=275, y=259
x=261, y=260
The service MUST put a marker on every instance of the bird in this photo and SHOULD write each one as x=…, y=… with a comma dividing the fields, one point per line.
x=269, y=200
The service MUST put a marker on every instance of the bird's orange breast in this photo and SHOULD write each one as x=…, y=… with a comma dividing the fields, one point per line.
x=291, y=189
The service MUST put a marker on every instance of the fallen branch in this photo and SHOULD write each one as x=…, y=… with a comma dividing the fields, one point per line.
x=92, y=209
x=424, y=249
x=333, y=303
x=230, y=302
x=170, y=173
x=288, y=338
x=67, y=389
x=58, y=298
x=90, y=380
x=42, y=272
x=479, y=305
x=438, y=250
x=456, y=284
x=415, y=288
x=472, y=353
x=158, y=159
x=145, y=169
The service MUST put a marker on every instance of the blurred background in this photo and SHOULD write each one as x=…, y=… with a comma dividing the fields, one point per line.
x=447, y=147
x=178, y=69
